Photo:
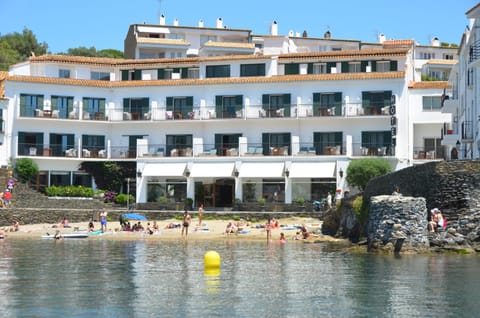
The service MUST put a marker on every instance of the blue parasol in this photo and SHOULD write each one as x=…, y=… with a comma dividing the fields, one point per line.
x=134, y=216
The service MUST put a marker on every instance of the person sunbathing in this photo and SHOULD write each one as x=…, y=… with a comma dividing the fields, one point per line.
x=231, y=228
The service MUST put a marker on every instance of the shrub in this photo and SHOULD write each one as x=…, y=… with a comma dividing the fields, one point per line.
x=361, y=171
x=122, y=199
x=360, y=209
x=69, y=191
x=301, y=201
x=163, y=200
x=26, y=169
x=109, y=196
x=262, y=201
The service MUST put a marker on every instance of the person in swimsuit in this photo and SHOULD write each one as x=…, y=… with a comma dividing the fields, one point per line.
x=186, y=222
x=103, y=220
x=200, y=215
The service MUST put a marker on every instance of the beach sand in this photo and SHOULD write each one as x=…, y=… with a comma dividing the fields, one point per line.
x=209, y=230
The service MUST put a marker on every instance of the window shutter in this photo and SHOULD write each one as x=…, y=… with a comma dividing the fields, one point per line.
x=287, y=104
x=345, y=67
x=190, y=101
x=365, y=139
x=137, y=75
x=126, y=104
x=393, y=66
x=219, y=106
x=266, y=143
x=54, y=101
x=70, y=104
x=365, y=99
x=310, y=68
x=238, y=102
x=70, y=140
x=125, y=75
x=374, y=65
x=85, y=141
x=329, y=66
x=265, y=101
x=292, y=68
x=338, y=138
x=160, y=73
x=169, y=103
x=184, y=72
x=363, y=66
x=218, y=141
x=101, y=105
x=387, y=98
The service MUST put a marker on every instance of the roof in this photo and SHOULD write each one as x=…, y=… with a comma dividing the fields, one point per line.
x=398, y=43
x=442, y=62
x=348, y=54
x=207, y=81
x=429, y=85
x=473, y=8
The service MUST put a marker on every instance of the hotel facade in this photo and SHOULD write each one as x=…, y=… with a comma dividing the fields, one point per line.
x=220, y=115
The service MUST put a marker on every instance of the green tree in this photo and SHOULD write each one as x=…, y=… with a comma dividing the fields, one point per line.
x=116, y=54
x=361, y=171
x=109, y=175
x=92, y=52
x=24, y=44
x=8, y=56
x=26, y=169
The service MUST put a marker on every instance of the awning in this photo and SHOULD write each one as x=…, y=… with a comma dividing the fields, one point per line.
x=164, y=169
x=261, y=170
x=312, y=170
x=212, y=170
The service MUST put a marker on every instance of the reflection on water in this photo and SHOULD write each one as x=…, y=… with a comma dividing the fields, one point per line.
x=82, y=278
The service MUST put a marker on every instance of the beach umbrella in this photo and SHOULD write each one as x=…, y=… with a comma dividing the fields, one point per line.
x=134, y=216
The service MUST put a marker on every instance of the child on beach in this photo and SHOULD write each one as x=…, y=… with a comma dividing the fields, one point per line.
x=283, y=240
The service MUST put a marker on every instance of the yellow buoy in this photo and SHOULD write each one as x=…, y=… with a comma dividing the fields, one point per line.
x=212, y=260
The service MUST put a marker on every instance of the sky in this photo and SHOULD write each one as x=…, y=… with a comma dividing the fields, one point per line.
x=103, y=24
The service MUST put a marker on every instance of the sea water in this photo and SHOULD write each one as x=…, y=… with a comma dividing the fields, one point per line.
x=113, y=278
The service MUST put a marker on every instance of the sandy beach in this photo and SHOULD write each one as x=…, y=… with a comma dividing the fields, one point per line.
x=208, y=230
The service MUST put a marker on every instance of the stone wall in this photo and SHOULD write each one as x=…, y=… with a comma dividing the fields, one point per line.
x=397, y=218
x=451, y=186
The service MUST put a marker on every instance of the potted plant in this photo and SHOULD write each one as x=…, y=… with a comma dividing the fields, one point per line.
x=262, y=202
x=301, y=203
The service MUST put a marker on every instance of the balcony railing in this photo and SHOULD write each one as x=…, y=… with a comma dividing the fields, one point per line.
x=474, y=53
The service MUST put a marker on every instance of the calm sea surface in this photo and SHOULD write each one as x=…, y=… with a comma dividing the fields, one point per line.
x=105, y=278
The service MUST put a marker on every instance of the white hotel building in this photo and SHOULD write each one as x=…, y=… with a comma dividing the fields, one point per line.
x=219, y=114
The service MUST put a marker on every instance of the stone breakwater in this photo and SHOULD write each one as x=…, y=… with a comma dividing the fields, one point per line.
x=397, y=222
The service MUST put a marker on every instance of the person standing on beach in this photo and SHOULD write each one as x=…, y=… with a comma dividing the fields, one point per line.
x=268, y=229
x=329, y=200
x=200, y=215
x=103, y=220
x=186, y=222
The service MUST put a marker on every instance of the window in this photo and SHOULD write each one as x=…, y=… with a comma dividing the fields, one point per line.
x=135, y=108
x=59, y=143
x=64, y=73
x=30, y=143
x=175, y=190
x=225, y=142
x=93, y=142
x=427, y=55
x=433, y=145
x=193, y=73
x=375, y=140
x=206, y=38
x=252, y=70
x=375, y=103
x=61, y=106
x=292, y=68
x=325, y=142
x=29, y=104
x=319, y=68
x=129, y=75
x=100, y=76
x=179, y=145
x=273, y=190
x=354, y=67
x=276, y=105
x=94, y=107
x=180, y=107
x=229, y=106
x=60, y=178
x=272, y=142
x=448, y=56
x=176, y=36
x=327, y=104
x=383, y=66
x=432, y=103
x=217, y=71
x=81, y=179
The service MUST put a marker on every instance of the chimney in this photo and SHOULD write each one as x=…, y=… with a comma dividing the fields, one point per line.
x=435, y=42
x=304, y=34
x=200, y=23
x=219, y=23
x=381, y=38
x=327, y=35
x=290, y=33
x=274, y=28
x=162, y=20
x=175, y=22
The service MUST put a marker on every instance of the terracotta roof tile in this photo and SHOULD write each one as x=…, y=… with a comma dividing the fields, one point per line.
x=162, y=41
x=398, y=43
x=208, y=81
x=429, y=85
x=347, y=54
x=230, y=45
